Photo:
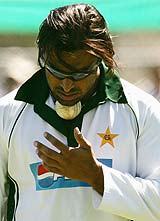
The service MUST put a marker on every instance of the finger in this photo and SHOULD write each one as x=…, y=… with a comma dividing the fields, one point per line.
x=52, y=169
x=51, y=165
x=47, y=151
x=55, y=142
x=48, y=161
x=81, y=140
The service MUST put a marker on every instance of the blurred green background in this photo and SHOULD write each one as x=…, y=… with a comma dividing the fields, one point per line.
x=25, y=16
x=134, y=25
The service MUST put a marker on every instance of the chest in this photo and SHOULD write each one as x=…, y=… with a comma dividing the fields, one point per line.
x=110, y=128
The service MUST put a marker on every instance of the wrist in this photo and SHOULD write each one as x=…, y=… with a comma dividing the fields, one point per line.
x=98, y=181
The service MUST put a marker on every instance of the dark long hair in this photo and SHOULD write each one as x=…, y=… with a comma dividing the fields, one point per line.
x=74, y=27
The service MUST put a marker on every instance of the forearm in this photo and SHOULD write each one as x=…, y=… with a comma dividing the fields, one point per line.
x=129, y=197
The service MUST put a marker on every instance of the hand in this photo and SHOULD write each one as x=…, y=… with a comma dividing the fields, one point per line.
x=77, y=163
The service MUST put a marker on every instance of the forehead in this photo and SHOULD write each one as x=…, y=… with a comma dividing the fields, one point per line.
x=80, y=59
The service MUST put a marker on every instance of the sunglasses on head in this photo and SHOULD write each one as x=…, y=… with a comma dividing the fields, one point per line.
x=74, y=75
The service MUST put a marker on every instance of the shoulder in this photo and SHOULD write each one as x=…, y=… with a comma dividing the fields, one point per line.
x=8, y=101
x=137, y=95
x=144, y=105
x=9, y=108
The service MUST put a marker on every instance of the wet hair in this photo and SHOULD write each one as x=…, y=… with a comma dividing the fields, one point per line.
x=75, y=27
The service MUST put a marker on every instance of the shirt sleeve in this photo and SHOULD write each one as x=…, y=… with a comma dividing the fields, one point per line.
x=3, y=180
x=137, y=198
x=3, y=164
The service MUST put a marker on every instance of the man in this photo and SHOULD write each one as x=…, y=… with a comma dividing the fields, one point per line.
x=77, y=142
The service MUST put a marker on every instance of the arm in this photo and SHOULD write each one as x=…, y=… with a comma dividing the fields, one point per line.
x=138, y=198
x=3, y=175
x=9, y=110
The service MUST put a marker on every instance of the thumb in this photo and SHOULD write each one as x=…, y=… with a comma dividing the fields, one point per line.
x=81, y=140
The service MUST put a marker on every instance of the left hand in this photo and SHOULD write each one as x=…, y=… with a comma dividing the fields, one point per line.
x=77, y=163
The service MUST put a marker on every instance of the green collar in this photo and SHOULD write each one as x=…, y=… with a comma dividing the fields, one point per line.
x=113, y=88
x=36, y=91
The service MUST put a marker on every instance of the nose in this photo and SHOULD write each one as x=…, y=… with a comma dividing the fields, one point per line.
x=67, y=84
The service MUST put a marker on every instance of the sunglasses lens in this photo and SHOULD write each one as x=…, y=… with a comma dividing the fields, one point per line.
x=74, y=76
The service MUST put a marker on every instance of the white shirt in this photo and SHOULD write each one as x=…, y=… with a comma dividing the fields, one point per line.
x=125, y=139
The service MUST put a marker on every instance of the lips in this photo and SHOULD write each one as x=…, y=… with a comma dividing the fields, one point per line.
x=68, y=96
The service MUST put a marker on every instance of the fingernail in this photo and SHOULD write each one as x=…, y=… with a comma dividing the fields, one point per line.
x=45, y=134
x=35, y=143
x=77, y=130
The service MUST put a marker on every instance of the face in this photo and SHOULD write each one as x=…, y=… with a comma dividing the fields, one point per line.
x=67, y=90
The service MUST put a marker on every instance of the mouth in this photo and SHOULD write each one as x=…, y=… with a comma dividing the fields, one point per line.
x=68, y=96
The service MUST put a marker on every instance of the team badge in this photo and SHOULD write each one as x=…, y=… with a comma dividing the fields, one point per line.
x=107, y=137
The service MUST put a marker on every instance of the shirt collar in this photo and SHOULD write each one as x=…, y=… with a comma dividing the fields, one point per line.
x=113, y=87
x=35, y=90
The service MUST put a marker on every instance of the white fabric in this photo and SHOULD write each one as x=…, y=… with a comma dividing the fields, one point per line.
x=131, y=167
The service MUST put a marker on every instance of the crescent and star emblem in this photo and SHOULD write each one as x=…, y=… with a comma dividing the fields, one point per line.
x=107, y=137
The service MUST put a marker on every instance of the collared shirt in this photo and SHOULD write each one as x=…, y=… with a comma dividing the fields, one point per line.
x=36, y=91
x=122, y=124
